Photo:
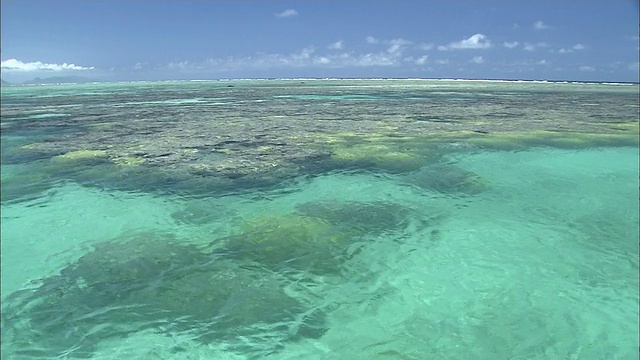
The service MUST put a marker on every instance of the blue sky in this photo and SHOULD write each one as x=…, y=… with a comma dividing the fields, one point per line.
x=157, y=40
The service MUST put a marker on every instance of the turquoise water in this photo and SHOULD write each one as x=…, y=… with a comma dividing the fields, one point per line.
x=386, y=247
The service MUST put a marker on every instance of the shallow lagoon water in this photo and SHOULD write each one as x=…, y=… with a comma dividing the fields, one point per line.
x=524, y=252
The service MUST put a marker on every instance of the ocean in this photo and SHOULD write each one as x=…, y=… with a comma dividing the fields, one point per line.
x=320, y=219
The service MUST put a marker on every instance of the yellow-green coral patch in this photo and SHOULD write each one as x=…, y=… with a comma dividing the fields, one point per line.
x=81, y=155
x=631, y=127
x=569, y=140
x=377, y=150
x=128, y=160
x=380, y=156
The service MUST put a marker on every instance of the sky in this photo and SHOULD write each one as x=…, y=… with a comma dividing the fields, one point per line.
x=574, y=40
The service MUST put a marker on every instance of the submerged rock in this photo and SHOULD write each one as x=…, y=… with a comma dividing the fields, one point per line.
x=152, y=281
x=201, y=212
x=447, y=179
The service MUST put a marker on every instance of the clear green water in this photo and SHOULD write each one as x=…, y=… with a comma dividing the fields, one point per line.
x=485, y=251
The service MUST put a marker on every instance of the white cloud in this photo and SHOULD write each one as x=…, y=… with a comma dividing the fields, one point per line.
x=17, y=65
x=338, y=45
x=181, y=65
x=586, y=68
x=371, y=40
x=306, y=57
x=539, y=25
x=422, y=60
x=370, y=60
x=321, y=60
x=523, y=65
x=425, y=46
x=303, y=54
x=477, y=41
x=615, y=64
x=287, y=13
x=477, y=60
x=511, y=44
x=397, y=46
x=576, y=47
x=442, y=61
x=533, y=47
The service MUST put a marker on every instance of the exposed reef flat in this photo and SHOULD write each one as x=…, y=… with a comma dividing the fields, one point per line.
x=217, y=138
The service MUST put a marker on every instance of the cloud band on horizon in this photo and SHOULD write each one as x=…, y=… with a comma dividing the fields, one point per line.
x=17, y=65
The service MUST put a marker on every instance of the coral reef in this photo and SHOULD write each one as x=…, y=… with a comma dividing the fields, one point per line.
x=289, y=241
x=151, y=281
x=315, y=238
x=24, y=186
x=357, y=217
x=447, y=179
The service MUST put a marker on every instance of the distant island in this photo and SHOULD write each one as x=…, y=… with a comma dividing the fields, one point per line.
x=52, y=80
